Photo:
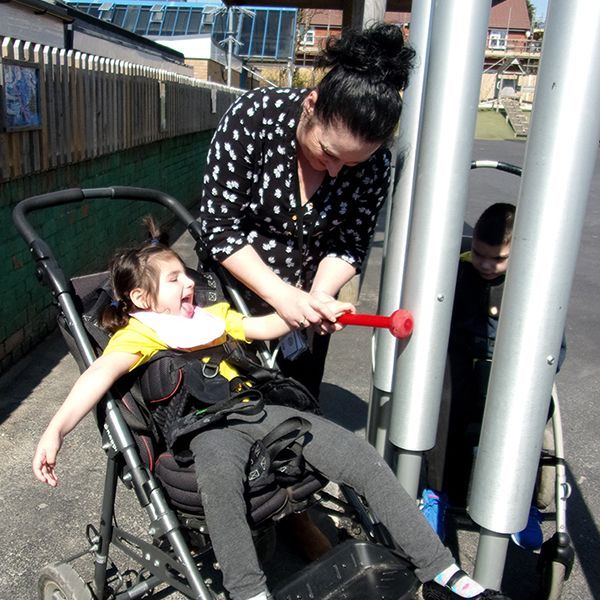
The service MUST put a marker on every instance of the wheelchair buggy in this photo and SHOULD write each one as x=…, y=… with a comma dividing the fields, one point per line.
x=175, y=554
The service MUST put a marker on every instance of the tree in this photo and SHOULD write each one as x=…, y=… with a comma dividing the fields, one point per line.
x=531, y=12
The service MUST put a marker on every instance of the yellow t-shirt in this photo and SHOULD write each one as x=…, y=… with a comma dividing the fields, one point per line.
x=138, y=338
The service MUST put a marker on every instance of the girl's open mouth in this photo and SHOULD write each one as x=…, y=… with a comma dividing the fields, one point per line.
x=187, y=306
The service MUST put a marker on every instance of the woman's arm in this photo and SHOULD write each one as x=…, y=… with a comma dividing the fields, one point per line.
x=272, y=326
x=297, y=307
x=229, y=177
x=331, y=276
x=85, y=394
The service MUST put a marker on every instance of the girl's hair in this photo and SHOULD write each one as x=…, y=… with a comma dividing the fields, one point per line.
x=495, y=225
x=361, y=90
x=132, y=268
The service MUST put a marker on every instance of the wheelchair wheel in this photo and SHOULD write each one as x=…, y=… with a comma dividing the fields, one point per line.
x=60, y=581
x=553, y=580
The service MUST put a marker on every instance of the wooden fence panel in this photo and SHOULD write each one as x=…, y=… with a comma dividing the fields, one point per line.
x=68, y=108
x=90, y=106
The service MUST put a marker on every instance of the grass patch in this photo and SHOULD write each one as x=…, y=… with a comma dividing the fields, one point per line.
x=491, y=125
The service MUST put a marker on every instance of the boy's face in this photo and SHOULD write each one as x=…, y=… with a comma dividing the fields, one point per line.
x=489, y=261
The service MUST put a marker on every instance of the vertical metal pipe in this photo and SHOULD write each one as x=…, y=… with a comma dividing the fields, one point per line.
x=491, y=554
x=229, y=44
x=373, y=12
x=363, y=13
x=558, y=167
x=448, y=126
x=396, y=234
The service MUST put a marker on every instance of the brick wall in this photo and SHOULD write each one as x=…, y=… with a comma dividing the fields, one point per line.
x=83, y=237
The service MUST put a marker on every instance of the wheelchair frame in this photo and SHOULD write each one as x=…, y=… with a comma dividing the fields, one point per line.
x=178, y=568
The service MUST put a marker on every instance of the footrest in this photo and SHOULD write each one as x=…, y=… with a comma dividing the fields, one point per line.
x=352, y=570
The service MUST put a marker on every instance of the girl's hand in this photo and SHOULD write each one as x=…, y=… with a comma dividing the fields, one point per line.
x=44, y=459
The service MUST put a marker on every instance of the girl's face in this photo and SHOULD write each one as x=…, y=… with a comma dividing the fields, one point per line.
x=329, y=148
x=175, y=289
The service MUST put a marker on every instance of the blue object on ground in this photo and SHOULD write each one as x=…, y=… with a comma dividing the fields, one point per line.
x=433, y=505
x=531, y=538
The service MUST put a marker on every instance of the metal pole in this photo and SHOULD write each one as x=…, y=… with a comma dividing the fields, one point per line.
x=229, y=44
x=396, y=234
x=444, y=158
x=362, y=13
x=373, y=12
x=559, y=161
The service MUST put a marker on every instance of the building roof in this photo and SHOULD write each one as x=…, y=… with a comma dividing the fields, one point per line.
x=504, y=14
x=81, y=21
x=259, y=32
x=392, y=5
x=47, y=7
x=510, y=14
x=333, y=18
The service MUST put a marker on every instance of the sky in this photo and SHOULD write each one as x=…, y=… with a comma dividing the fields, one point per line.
x=541, y=8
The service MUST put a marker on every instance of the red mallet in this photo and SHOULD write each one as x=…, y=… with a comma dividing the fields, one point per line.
x=400, y=322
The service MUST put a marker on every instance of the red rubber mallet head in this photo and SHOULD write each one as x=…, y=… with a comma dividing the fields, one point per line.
x=401, y=323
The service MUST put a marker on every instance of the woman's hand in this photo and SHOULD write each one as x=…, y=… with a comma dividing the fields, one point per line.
x=316, y=309
x=44, y=459
x=338, y=308
x=299, y=309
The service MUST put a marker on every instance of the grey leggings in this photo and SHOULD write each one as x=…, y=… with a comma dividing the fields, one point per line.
x=220, y=457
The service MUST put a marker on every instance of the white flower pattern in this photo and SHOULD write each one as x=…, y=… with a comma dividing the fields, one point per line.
x=251, y=196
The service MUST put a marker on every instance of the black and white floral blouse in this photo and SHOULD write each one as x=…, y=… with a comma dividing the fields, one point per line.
x=251, y=192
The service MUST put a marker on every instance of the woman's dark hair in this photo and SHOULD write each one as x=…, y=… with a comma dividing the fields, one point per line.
x=495, y=225
x=368, y=69
x=132, y=268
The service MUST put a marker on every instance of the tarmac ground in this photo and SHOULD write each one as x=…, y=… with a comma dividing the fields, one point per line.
x=42, y=525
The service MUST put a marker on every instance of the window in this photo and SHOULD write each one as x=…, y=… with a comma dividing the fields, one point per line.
x=105, y=12
x=308, y=39
x=131, y=18
x=271, y=37
x=195, y=21
x=497, y=39
x=169, y=21
x=119, y=16
x=157, y=13
x=141, y=27
x=181, y=24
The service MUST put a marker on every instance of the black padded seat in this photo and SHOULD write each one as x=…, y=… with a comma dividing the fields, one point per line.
x=179, y=480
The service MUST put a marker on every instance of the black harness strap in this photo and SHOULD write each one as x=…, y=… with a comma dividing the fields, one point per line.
x=278, y=456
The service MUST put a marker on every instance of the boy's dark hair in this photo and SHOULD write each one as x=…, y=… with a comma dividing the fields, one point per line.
x=495, y=225
x=368, y=69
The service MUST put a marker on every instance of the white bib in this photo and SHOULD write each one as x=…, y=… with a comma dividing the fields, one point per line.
x=180, y=332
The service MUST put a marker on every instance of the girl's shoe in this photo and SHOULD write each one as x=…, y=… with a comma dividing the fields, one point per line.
x=435, y=591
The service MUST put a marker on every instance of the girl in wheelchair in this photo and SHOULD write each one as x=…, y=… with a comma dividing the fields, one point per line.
x=154, y=310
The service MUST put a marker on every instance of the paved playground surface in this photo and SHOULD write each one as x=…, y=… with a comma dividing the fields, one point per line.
x=40, y=525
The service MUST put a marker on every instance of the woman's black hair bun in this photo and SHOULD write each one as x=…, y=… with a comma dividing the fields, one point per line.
x=377, y=54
